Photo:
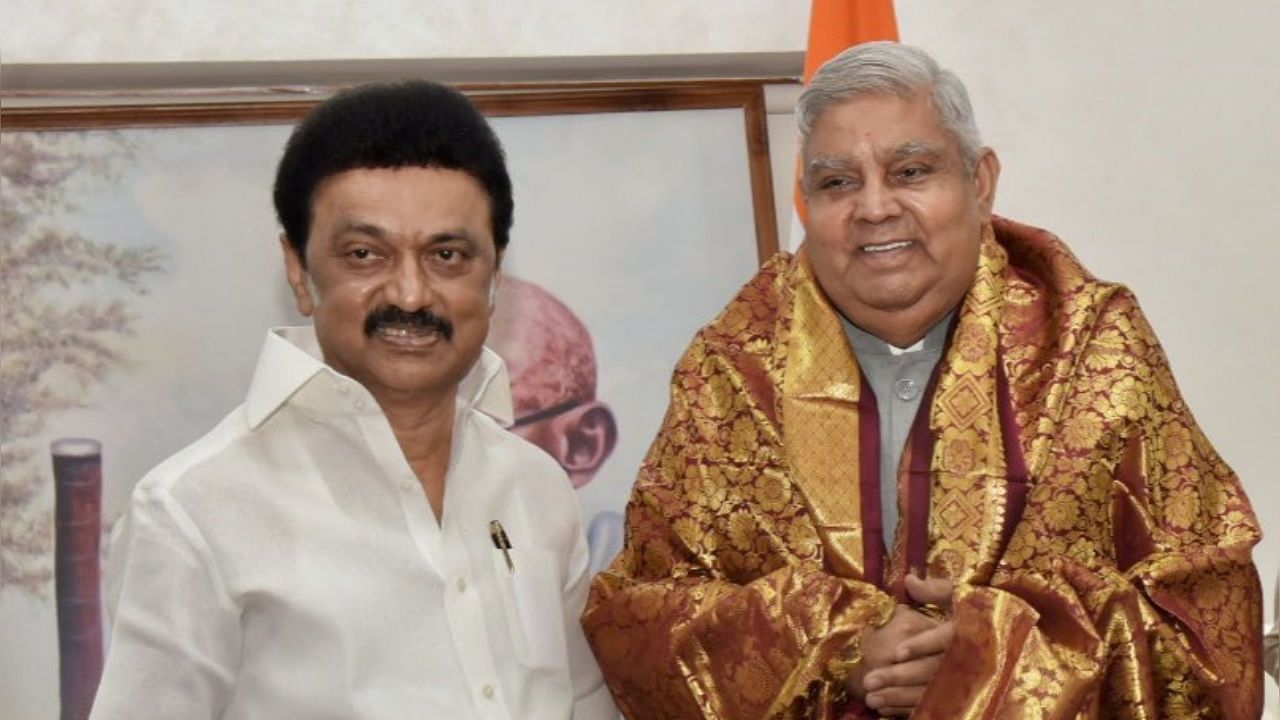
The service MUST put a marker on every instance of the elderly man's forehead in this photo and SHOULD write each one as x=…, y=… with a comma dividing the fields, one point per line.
x=827, y=136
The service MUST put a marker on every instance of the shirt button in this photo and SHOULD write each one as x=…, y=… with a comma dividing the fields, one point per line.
x=488, y=691
x=359, y=404
x=462, y=584
x=906, y=389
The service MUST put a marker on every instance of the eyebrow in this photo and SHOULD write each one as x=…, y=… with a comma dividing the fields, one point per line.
x=913, y=149
x=902, y=152
x=450, y=236
x=362, y=228
x=828, y=162
x=379, y=233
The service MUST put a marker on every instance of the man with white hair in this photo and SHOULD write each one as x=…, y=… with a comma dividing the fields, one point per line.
x=929, y=465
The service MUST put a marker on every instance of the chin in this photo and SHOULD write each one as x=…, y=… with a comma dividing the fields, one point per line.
x=894, y=302
x=411, y=381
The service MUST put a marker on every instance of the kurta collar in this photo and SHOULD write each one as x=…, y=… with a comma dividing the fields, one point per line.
x=291, y=357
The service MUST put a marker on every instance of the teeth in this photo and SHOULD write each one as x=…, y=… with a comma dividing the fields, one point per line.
x=886, y=248
x=404, y=332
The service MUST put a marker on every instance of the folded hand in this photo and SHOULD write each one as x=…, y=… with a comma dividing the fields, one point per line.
x=900, y=658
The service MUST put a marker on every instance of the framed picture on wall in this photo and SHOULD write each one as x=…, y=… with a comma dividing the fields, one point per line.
x=140, y=270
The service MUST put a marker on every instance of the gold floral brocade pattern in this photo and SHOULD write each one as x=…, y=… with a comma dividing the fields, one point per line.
x=1123, y=588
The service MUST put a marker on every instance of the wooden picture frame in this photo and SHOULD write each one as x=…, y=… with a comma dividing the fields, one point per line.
x=664, y=194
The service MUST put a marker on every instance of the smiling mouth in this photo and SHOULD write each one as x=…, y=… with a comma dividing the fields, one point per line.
x=886, y=247
x=409, y=329
x=408, y=334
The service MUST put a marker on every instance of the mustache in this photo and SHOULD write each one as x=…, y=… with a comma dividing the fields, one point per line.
x=394, y=316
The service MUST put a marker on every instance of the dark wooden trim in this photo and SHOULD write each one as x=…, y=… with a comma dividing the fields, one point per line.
x=282, y=93
x=469, y=87
x=495, y=100
x=58, y=81
x=761, y=166
x=160, y=115
x=492, y=99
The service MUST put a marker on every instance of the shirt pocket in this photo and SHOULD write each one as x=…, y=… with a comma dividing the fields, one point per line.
x=533, y=603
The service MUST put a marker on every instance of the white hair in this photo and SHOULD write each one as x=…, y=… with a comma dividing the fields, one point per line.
x=891, y=68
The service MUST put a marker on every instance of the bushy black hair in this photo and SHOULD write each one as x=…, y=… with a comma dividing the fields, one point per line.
x=406, y=124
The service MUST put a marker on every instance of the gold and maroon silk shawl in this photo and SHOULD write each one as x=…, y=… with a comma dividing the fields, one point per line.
x=1110, y=579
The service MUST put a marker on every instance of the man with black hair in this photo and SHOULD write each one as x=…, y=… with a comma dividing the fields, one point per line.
x=360, y=538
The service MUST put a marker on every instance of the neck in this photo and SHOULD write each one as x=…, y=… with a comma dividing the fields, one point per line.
x=902, y=329
x=424, y=431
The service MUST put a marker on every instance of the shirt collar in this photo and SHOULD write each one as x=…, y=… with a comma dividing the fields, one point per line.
x=487, y=388
x=291, y=357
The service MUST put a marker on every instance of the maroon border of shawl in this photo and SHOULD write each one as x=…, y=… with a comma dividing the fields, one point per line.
x=873, y=549
x=1017, y=478
x=920, y=480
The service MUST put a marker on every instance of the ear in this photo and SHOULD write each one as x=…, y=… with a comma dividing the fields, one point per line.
x=494, y=283
x=986, y=174
x=589, y=433
x=295, y=274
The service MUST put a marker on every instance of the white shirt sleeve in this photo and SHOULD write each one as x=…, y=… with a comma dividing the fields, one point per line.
x=1271, y=698
x=175, y=634
x=591, y=698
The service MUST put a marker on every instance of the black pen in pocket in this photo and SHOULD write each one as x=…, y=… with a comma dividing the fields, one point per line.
x=501, y=542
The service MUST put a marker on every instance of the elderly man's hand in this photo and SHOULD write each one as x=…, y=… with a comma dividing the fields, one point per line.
x=900, y=658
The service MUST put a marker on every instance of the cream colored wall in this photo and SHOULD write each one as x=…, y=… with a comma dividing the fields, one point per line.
x=234, y=30
x=1143, y=132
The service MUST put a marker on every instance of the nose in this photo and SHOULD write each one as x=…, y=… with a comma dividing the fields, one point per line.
x=409, y=287
x=877, y=202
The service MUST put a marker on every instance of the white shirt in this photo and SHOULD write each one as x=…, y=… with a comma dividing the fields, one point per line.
x=288, y=565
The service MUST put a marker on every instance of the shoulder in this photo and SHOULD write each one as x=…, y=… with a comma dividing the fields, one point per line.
x=746, y=333
x=251, y=469
x=754, y=310
x=1049, y=290
x=167, y=523
x=1065, y=329
x=217, y=447
x=735, y=358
